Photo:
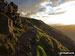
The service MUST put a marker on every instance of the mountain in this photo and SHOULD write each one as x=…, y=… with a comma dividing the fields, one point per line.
x=68, y=30
x=57, y=34
x=21, y=36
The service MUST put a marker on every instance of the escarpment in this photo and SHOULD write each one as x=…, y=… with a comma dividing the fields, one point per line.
x=8, y=16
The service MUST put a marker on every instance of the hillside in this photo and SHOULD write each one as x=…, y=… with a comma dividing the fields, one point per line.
x=29, y=40
x=57, y=34
x=68, y=30
x=21, y=36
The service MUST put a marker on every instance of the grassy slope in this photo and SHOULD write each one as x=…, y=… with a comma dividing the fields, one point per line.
x=66, y=41
x=30, y=39
x=48, y=45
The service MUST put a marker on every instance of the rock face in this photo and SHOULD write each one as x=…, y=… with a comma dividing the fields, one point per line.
x=3, y=6
x=15, y=7
x=4, y=24
x=8, y=13
x=8, y=16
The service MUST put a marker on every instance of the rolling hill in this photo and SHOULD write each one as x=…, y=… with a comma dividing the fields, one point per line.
x=21, y=36
x=68, y=30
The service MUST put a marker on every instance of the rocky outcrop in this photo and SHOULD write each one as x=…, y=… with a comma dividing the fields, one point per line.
x=4, y=24
x=3, y=6
x=15, y=7
x=8, y=16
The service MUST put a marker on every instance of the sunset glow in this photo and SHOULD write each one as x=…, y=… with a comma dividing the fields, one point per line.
x=54, y=15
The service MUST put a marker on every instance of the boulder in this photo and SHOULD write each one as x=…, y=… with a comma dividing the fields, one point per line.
x=15, y=7
x=10, y=9
x=2, y=7
x=4, y=24
x=4, y=1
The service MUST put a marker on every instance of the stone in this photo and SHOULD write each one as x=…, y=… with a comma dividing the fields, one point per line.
x=2, y=7
x=10, y=25
x=4, y=1
x=4, y=24
x=15, y=7
x=10, y=9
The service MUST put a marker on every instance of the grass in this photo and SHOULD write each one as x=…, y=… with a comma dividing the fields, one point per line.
x=41, y=51
x=46, y=44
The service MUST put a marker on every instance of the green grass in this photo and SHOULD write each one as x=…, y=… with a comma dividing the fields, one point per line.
x=41, y=51
x=46, y=44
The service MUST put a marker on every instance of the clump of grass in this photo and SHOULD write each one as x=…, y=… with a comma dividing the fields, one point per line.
x=41, y=51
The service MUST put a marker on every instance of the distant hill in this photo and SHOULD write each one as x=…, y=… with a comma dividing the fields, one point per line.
x=68, y=30
x=21, y=36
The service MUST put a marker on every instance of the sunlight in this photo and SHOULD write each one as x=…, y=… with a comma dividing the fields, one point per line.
x=66, y=18
x=22, y=13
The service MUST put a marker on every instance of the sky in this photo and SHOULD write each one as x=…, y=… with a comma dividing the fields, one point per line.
x=49, y=11
x=25, y=5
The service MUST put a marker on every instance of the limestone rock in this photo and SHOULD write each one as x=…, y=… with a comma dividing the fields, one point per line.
x=4, y=1
x=4, y=24
x=8, y=16
x=10, y=9
x=15, y=7
x=2, y=7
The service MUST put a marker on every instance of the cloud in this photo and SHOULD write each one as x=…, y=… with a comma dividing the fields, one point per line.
x=24, y=13
x=40, y=6
x=41, y=9
x=61, y=14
